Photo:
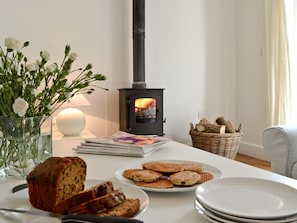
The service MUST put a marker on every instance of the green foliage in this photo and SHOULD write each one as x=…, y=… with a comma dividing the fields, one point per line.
x=39, y=88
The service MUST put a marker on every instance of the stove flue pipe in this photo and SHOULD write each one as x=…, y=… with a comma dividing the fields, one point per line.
x=138, y=44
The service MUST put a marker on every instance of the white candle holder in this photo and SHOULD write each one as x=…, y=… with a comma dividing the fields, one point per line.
x=70, y=121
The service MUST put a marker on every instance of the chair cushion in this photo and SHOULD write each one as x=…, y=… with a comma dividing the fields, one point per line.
x=281, y=144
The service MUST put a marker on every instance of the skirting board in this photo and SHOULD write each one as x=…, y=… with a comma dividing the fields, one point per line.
x=253, y=150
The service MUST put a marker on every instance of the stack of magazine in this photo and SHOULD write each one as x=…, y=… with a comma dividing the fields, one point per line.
x=122, y=144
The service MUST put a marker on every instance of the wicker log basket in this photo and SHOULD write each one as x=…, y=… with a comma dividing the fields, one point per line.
x=223, y=142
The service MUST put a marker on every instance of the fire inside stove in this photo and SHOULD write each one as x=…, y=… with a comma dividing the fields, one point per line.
x=145, y=110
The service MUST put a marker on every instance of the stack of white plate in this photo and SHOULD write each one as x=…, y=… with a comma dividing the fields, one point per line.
x=250, y=200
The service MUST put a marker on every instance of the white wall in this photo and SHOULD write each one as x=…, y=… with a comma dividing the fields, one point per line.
x=252, y=93
x=205, y=53
x=192, y=52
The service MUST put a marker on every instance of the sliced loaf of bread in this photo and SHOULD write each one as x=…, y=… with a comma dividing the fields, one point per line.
x=100, y=203
x=84, y=196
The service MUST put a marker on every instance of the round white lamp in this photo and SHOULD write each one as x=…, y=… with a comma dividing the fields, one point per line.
x=70, y=122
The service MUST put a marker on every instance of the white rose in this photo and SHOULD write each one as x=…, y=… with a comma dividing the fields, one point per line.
x=38, y=62
x=51, y=68
x=12, y=43
x=20, y=106
x=45, y=55
x=73, y=56
x=32, y=67
x=1, y=86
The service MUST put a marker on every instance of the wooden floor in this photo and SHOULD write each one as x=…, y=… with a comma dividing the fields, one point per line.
x=254, y=162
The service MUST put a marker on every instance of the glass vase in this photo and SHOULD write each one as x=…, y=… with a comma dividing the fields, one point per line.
x=24, y=143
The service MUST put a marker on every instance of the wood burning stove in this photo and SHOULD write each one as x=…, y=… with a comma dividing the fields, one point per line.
x=141, y=111
x=141, y=108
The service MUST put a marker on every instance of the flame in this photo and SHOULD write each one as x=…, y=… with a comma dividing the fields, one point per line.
x=144, y=103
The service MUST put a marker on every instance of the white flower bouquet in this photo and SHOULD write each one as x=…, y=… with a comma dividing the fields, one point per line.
x=30, y=92
x=36, y=88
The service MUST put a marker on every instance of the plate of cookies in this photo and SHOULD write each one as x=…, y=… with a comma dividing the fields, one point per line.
x=167, y=175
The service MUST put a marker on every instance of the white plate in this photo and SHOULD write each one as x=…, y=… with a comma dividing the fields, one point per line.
x=20, y=200
x=249, y=197
x=138, y=165
x=227, y=217
x=209, y=215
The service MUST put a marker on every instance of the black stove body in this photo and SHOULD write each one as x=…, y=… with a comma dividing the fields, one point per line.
x=141, y=111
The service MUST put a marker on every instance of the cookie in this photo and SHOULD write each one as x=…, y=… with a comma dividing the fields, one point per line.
x=196, y=167
x=146, y=175
x=205, y=176
x=128, y=173
x=162, y=183
x=184, y=178
x=163, y=167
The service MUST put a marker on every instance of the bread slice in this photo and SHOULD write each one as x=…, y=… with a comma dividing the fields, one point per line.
x=93, y=206
x=83, y=196
x=128, y=208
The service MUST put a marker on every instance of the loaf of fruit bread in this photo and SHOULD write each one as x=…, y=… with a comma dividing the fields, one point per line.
x=55, y=180
x=84, y=196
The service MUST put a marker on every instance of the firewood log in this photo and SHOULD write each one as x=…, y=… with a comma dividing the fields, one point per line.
x=200, y=127
x=211, y=128
x=228, y=124
x=204, y=121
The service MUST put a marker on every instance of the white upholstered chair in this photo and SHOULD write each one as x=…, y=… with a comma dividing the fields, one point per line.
x=281, y=144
